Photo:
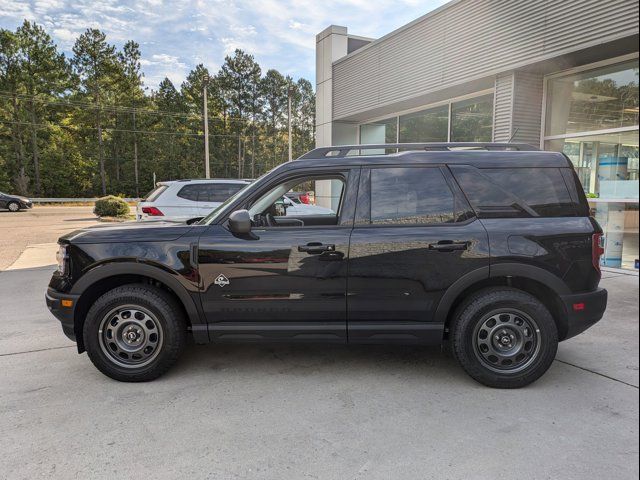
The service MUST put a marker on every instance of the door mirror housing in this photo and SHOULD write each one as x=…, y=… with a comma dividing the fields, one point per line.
x=240, y=222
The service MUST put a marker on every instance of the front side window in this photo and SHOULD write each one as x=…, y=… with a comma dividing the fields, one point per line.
x=317, y=202
x=410, y=196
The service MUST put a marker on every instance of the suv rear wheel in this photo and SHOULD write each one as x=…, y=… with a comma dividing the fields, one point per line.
x=134, y=333
x=504, y=337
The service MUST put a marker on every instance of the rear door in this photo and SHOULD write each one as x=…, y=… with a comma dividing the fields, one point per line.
x=414, y=236
x=180, y=202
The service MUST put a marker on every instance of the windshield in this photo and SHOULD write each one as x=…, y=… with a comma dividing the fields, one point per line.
x=216, y=212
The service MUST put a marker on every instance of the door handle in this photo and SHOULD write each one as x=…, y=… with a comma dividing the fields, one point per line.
x=448, y=246
x=315, y=248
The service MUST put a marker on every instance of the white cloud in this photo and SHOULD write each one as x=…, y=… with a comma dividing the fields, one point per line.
x=176, y=35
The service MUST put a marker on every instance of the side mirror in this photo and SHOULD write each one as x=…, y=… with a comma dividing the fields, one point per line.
x=240, y=222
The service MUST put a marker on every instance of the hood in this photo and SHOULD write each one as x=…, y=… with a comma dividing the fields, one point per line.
x=128, y=232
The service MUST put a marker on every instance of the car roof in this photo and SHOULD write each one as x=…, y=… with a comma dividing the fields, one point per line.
x=205, y=180
x=477, y=158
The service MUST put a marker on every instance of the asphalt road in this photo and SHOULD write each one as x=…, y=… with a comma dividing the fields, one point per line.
x=42, y=224
x=316, y=412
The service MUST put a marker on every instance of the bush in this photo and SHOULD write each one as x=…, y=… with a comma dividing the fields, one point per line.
x=111, y=206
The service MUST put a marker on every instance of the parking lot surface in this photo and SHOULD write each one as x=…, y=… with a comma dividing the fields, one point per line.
x=317, y=412
x=42, y=224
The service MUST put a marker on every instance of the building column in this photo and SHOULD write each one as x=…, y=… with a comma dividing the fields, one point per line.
x=517, y=110
x=331, y=44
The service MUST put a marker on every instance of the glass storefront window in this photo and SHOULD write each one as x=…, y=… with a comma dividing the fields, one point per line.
x=425, y=126
x=607, y=166
x=472, y=120
x=595, y=100
x=578, y=107
x=383, y=131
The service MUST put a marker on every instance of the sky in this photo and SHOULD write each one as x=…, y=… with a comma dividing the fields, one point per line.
x=177, y=35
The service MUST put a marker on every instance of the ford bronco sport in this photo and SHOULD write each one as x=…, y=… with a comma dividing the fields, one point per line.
x=486, y=247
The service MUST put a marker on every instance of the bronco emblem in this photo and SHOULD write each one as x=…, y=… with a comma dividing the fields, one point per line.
x=221, y=280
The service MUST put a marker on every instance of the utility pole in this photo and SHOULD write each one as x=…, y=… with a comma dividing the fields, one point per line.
x=135, y=154
x=289, y=92
x=207, y=173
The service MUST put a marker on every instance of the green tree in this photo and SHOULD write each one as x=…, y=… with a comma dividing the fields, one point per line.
x=45, y=74
x=240, y=77
x=95, y=62
x=274, y=93
x=10, y=81
x=132, y=94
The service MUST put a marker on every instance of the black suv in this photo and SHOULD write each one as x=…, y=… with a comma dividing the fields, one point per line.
x=486, y=247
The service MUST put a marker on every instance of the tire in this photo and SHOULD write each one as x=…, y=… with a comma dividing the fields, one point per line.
x=504, y=337
x=13, y=206
x=134, y=333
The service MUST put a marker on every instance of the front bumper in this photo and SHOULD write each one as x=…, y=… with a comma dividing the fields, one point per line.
x=64, y=314
x=584, y=310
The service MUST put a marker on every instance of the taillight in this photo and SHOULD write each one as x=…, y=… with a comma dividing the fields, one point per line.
x=597, y=249
x=152, y=211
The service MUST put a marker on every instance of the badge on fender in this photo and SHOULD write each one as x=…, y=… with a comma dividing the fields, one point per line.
x=221, y=280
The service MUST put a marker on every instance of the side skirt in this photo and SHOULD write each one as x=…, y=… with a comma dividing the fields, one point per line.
x=404, y=333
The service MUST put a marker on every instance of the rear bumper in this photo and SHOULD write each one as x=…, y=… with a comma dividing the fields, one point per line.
x=64, y=314
x=584, y=310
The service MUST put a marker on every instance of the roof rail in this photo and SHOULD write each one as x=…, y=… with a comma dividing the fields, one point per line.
x=344, y=150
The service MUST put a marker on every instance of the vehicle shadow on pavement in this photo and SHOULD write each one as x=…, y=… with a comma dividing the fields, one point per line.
x=312, y=359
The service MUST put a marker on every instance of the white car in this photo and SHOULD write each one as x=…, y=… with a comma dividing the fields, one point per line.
x=297, y=208
x=182, y=200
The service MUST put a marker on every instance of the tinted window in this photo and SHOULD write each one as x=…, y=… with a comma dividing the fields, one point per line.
x=209, y=192
x=218, y=192
x=189, y=192
x=516, y=192
x=154, y=194
x=410, y=196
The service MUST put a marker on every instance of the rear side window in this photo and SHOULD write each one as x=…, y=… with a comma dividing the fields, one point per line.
x=154, y=194
x=516, y=192
x=209, y=192
x=410, y=196
x=189, y=192
x=218, y=192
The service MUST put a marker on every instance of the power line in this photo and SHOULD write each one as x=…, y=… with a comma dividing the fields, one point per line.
x=114, y=107
x=149, y=132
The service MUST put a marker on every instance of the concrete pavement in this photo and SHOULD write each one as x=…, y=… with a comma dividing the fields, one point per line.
x=325, y=412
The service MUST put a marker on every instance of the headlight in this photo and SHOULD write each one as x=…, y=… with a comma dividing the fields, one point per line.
x=61, y=257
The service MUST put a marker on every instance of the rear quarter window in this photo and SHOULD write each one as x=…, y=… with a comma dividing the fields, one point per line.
x=155, y=193
x=516, y=192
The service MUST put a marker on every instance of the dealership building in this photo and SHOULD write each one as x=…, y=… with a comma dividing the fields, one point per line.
x=559, y=75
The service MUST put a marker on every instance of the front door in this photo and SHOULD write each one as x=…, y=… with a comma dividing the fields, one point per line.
x=287, y=279
x=413, y=237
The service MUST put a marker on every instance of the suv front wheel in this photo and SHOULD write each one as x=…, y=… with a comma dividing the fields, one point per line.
x=504, y=337
x=134, y=333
